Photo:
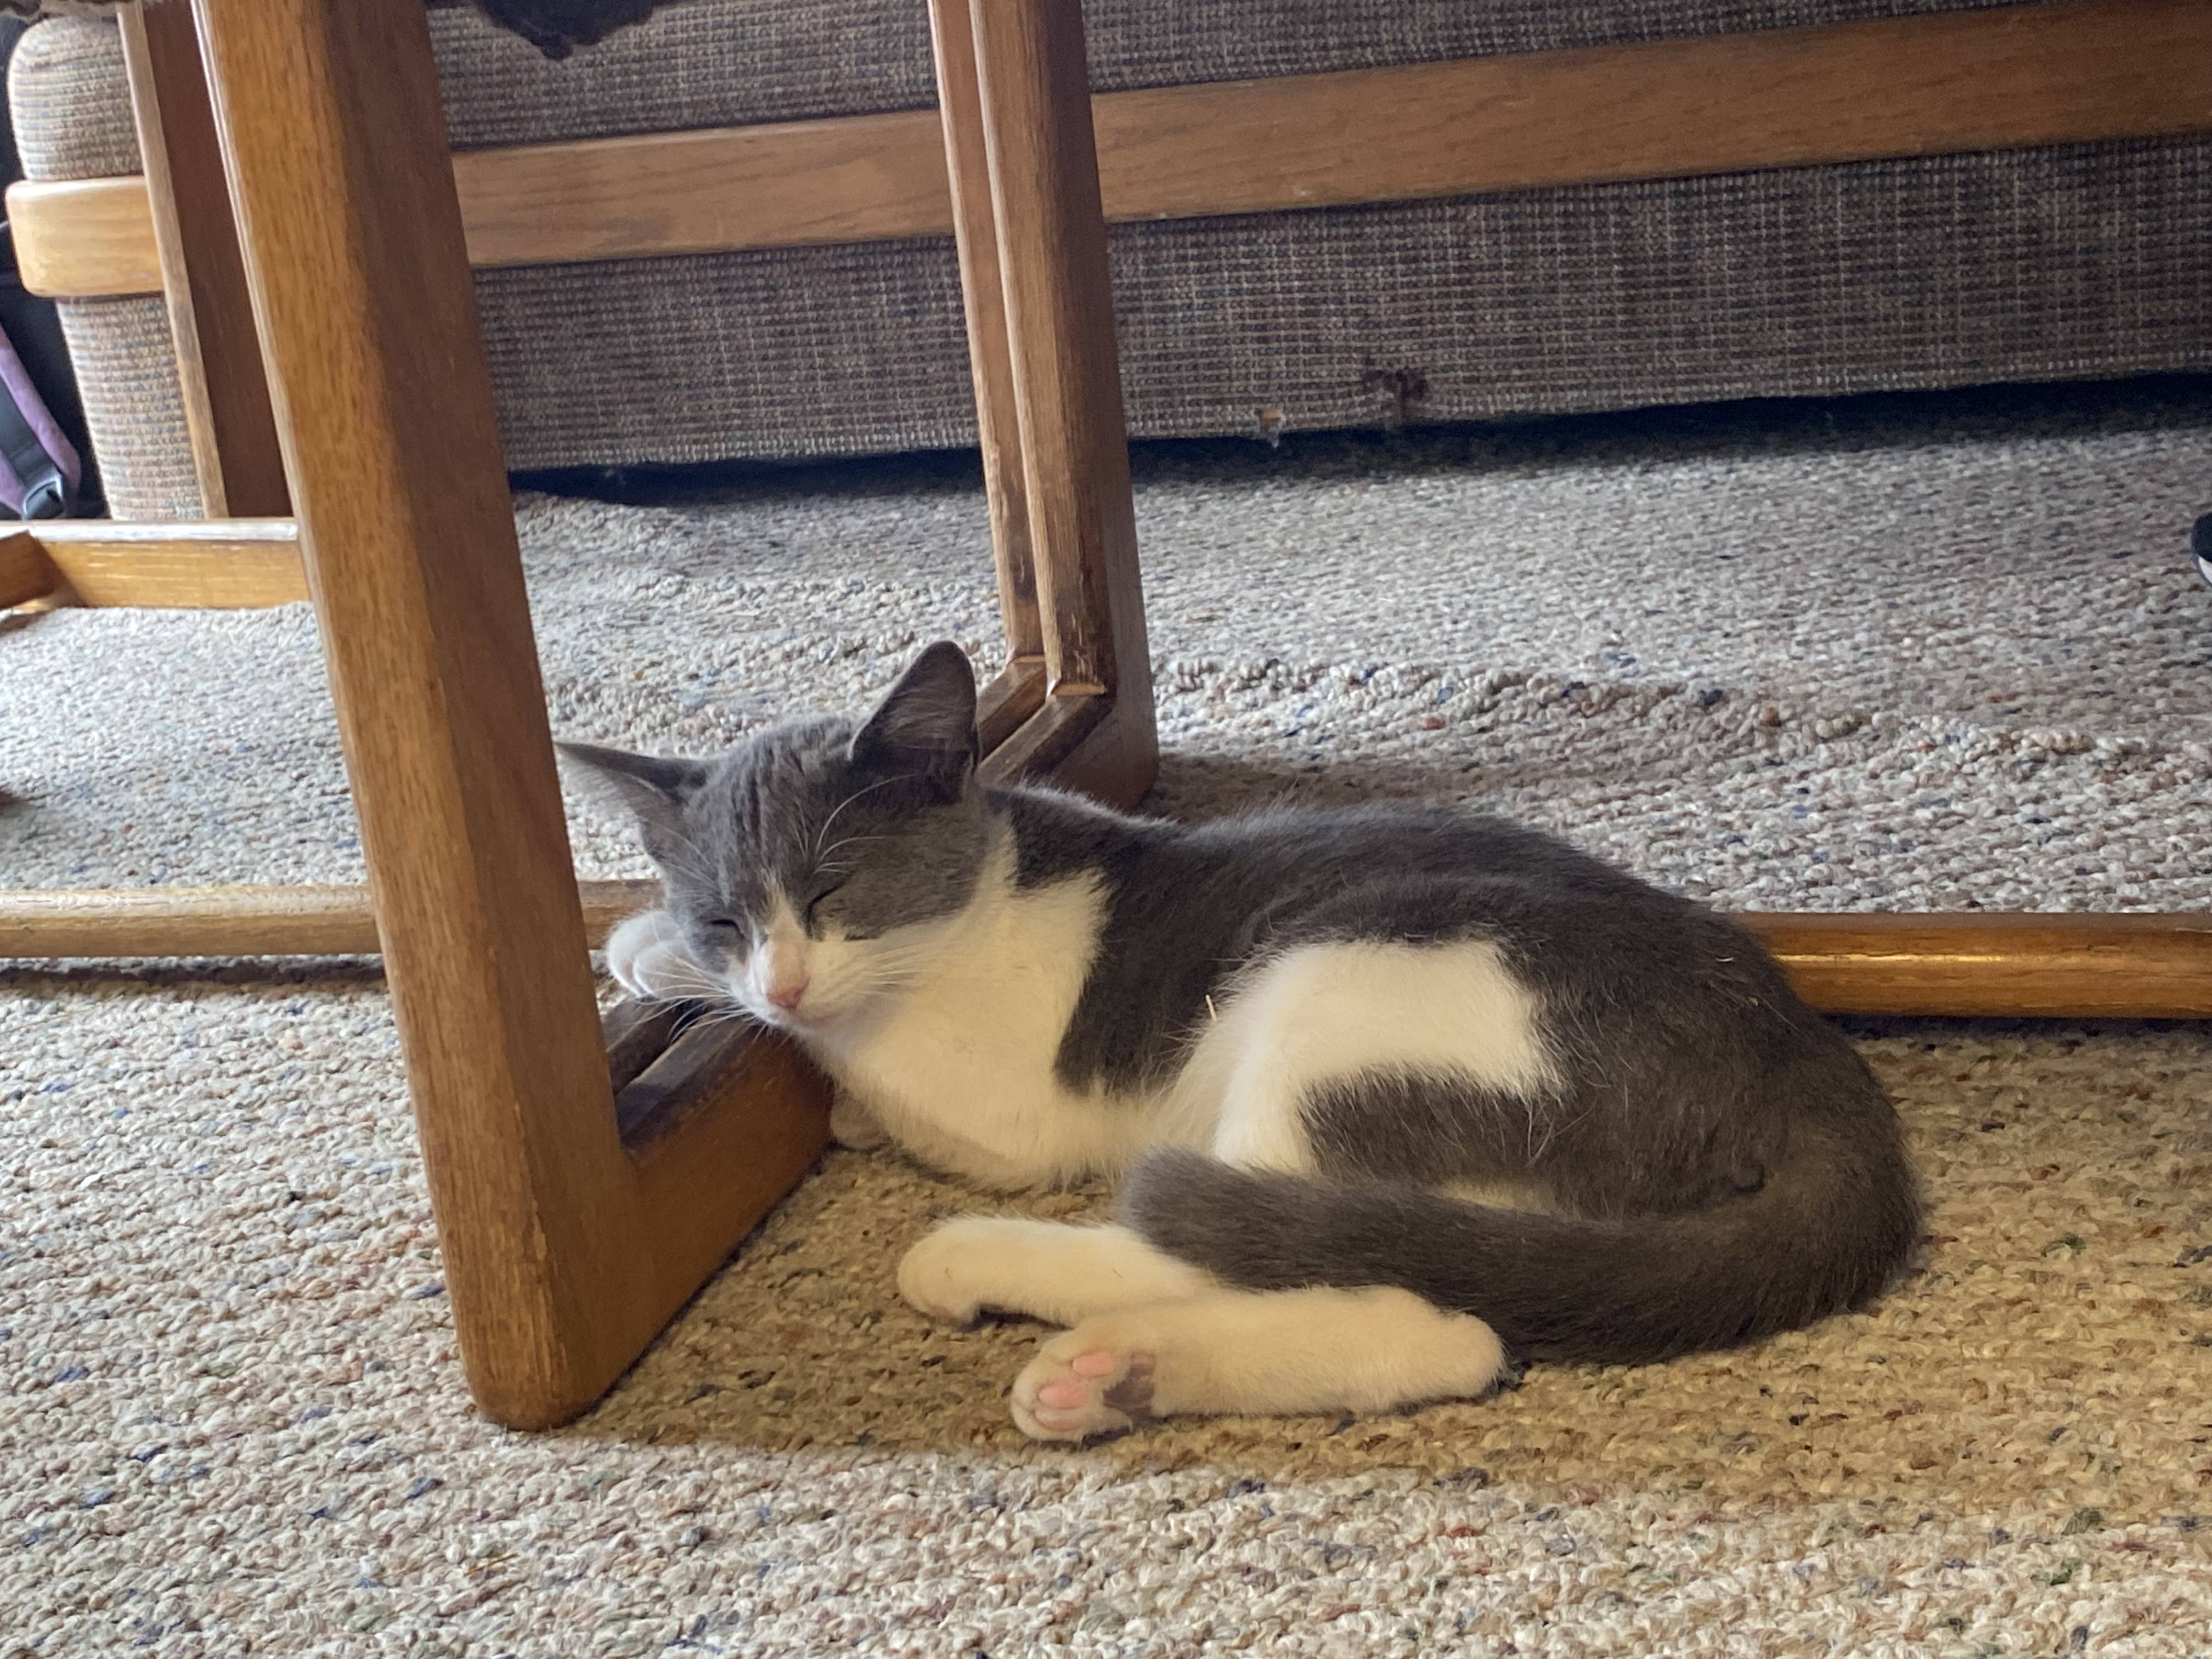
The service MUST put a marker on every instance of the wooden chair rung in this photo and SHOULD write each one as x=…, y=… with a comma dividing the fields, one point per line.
x=221, y=564
x=26, y=572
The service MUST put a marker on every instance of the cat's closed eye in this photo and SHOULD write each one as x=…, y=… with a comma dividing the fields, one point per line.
x=815, y=903
x=725, y=925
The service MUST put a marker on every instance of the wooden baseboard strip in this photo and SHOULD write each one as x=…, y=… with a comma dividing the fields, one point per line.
x=234, y=921
x=2024, y=964
x=2060, y=965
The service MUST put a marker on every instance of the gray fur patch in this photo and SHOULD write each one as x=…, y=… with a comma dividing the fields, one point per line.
x=864, y=829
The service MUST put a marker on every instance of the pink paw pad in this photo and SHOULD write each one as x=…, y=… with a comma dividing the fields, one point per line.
x=1069, y=1395
x=1084, y=1395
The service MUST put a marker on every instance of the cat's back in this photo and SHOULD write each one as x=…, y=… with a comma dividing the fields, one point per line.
x=1187, y=911
x=1592, y=942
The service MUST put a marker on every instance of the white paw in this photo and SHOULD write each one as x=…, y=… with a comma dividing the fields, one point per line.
x=852, y=1124
x=648, y=959
x=946, y=1274
x=1079, y=1388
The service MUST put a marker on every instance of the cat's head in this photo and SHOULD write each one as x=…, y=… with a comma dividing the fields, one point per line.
x=814, y=868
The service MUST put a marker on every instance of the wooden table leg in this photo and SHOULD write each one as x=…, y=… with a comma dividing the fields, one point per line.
x=227, y=418
x=1015, y=91
x=565, y=1245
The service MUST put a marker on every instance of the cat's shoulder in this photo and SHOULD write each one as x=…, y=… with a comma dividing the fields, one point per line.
x=1058, y=835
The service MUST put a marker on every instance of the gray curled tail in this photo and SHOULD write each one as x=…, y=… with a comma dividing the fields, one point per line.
x=1828, y=1231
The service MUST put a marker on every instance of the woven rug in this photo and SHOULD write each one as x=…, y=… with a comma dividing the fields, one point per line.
x=1939, y=652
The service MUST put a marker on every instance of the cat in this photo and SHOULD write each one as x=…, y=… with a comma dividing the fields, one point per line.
x=1396, y=1098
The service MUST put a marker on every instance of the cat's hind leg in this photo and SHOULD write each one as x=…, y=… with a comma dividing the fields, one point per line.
x=1319, y=1018
x=1048, y=1270
x=1261, y=1352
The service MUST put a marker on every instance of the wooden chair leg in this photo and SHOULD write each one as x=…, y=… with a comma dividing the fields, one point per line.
x=1015, y=92
x=1019, y=692
x=567, y=1243
x=227, y=418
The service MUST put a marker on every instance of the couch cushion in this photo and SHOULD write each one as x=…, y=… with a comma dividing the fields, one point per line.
x=70, y=105
x=727, y=62
x=2068, y=262
x=2055, y=263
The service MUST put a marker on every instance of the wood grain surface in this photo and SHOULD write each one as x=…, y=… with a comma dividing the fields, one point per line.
x=2004, y=78
x=990, y=348
x=227, y=418
x=2059, y=964
x=1066, y=384
x=560, y=1259
x=26, y=572
x=232, y=564
x=336, y=919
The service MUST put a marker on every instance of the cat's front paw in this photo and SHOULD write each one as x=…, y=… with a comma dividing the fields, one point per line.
x=854, y=1126
x=647, y=957
x=949, y=1274
x=1081, y=1388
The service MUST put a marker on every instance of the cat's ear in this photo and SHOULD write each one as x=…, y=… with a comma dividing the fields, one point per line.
x=655, y=789
x=925, y=723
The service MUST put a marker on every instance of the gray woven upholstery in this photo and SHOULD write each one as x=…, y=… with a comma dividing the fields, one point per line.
x=133, y=406
x=72, y=110
x=556, y=27
x=726, y=62
x=1809, y=281
x=2083, y=261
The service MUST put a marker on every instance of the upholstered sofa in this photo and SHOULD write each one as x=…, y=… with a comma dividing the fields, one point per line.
x=2048, y=261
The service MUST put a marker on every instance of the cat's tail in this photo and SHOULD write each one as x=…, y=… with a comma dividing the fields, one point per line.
x=1828, y=1231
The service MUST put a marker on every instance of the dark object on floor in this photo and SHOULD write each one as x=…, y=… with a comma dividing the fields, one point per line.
x=2200, y=544
x=556, y=27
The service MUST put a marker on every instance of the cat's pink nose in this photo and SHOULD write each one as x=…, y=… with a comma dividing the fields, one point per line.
x=788, y=997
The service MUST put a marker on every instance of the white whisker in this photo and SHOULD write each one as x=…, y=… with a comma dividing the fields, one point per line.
x=822, y=834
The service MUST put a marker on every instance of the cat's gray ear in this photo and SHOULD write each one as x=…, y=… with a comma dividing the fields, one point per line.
x=656, y=789
x=925, y=723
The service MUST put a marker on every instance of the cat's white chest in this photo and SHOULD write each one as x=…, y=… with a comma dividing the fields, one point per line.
x=959, y=1067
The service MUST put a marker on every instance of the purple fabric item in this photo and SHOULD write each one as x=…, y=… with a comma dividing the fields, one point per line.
x=40, y=469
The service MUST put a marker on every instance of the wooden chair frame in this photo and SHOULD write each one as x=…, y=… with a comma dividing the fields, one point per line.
x=588, y=1178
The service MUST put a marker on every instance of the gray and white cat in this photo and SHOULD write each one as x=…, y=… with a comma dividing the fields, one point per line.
x=1392, y=1093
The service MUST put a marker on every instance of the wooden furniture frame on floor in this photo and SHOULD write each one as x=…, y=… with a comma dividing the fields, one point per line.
x=587, y=1180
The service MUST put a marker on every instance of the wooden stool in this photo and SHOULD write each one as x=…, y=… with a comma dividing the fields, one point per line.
x=587, y=1181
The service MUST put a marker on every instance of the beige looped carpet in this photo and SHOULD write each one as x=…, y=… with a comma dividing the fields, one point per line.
x=1919, y=652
